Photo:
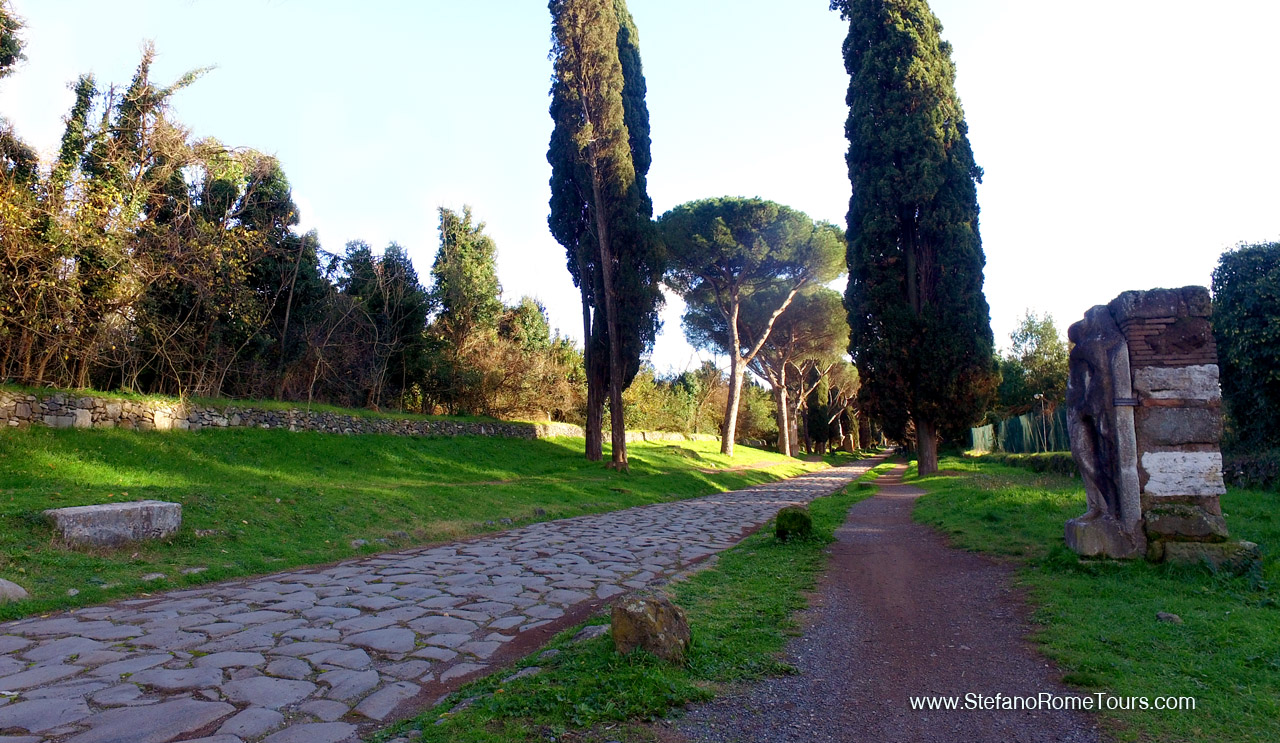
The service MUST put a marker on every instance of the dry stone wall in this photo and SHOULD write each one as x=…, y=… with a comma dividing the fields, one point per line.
x=66, y=410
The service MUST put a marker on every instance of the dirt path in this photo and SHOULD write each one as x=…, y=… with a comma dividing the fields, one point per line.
x=899, y=615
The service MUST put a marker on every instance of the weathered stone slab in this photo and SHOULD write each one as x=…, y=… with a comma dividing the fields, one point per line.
x=1235, y=557
x=1184, y=522
x=380, y=704
x=265, y=691
x=157, y=723
x=39, y=715
x=1161, y=426
x=113, y=524
x=254, y=722
x=1199, y=382
x=1183, y=473
x=10, y=591
x=320, y=732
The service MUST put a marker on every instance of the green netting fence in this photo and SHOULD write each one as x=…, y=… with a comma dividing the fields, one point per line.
x=1024, y=434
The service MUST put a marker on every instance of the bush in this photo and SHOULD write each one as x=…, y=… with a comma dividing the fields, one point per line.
x=793, y=522
x=1258, y=470
x=1246, y=326
x=1057, y=462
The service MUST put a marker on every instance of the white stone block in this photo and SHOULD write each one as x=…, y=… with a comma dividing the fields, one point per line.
x=1178, y=382
x=1183, y=473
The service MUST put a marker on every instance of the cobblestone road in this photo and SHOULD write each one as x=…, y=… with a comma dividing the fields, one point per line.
x=324, y=655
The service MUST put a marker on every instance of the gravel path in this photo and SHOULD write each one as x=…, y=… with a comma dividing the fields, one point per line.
x=899, y=615
x=324, y=655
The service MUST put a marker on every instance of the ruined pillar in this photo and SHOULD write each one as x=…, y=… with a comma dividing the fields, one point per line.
x=1145, y=418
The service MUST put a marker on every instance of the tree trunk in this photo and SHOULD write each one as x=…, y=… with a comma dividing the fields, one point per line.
x=737, y=366
x=730, y=430
x=864, y=432
x=617, y=424
x=926, y=447
x=595, y=379
x=595, y=416
x=784, y=425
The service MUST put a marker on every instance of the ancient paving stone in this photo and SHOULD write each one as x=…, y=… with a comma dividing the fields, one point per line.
x=325, y=710
x=363, y=623
x=385, y=640
x=348, y=685
x=460, y=670
x=39, y=715
x=289, y=668
x=254, y=722
x=230, y=659
x=443, y=624
x=480, y=648
x=184, y=679
x=76, y=688
x=321, y=732
x=435, y=653
x=265, y=691
x=10, y=643
x=510, y=622
x=407, y=670
x=158, y=723
x=380, y=704
x=120, y=695
x=355, y=659
x=38, y=676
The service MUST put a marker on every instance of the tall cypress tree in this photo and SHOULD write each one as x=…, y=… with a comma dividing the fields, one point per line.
x=600, y=210
x=10, y=41
x=920, y=325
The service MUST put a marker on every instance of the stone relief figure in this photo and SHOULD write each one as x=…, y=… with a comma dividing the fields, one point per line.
x=1090, y=392
x=1102, y=438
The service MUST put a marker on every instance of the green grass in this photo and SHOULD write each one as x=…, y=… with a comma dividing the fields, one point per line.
x=740, y=612
x=258, y=501
x=1097, y=619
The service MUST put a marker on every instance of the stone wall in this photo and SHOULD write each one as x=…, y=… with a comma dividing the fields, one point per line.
x=67, y=410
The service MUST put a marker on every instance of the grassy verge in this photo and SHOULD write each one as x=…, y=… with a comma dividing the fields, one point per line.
x=1097, y=619
x=740, y=611
x=259, y=501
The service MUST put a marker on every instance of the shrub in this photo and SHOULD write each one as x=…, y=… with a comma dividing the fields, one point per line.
x=793, y=522
x=1259, y=470
x=1057, y=462
x=1246, y=326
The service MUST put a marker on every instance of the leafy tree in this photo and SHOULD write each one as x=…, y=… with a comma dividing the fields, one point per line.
x=725, y=251
x=1035, y=365
x=10, y=41
x=1246, y=326
x=814, y=328
x=464, y=281
x=920, y=325
x=600, y=212
x=390, y=296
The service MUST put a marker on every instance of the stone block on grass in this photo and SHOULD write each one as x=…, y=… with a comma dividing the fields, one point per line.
x=652, y=622
x=793, y=522
x=114, y=524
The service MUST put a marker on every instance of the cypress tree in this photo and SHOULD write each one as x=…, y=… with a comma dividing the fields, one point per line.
x=600, y=211
x=920, y=325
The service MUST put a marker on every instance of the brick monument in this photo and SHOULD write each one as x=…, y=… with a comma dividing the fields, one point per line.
x=1145, y=420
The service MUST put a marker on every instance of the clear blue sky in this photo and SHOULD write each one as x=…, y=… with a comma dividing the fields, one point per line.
x=1126, y=143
